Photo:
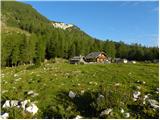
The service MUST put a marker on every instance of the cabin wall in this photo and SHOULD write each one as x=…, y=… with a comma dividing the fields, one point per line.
x=101, y=58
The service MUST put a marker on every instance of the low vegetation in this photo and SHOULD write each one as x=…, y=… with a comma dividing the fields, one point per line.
x=36, y=39
x=84, y=91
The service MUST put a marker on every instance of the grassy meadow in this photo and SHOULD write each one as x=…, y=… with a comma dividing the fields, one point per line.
x=53, y=81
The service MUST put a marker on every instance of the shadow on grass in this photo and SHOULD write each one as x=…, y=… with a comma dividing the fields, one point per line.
x=68, y=108
x=81, y=103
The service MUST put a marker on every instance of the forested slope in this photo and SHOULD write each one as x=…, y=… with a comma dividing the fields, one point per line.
x=29, y=37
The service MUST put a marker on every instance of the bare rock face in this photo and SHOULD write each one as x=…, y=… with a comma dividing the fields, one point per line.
x=62, y=25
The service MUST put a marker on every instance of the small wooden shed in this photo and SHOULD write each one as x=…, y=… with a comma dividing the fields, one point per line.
x=119, y=60
x=77, y=59
x=99, y=57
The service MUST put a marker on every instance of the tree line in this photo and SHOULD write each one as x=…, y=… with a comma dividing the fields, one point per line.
x=43, y=41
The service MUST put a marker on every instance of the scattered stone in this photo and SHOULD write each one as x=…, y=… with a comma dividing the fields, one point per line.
x=32, y=109
x=136, y=94
x=18, y=79
x=72, y=94
x=129, y=73
x=5, y=116
x=144, y=99
x=14, y=103
x=138, y=81
x=24, y=103
x=78, y=117
x=5, y=82
x=30, y=92
x=144, y=82
x=127, y=115
x=94, y=74
x=4, y=91
x=95, y=83
x=6, y=104
x=134, y=99
x=79, y=84
x=15, y=75
x=117, y=84
x=153, y=103
x=100, y=97
x=34, y=95
x=82, y=92
x=106, y=112
x=2, y=75
x=122, y=110
x=14, y=88
x=157, y=91
x=90, y=82
x=138, y=87
x=134, y=62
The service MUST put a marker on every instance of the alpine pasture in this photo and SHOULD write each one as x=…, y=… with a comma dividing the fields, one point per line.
x=62, y=90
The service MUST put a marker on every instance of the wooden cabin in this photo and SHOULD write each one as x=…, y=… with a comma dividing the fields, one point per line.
x=119, y=60
x=77, y=60
x=99, y=57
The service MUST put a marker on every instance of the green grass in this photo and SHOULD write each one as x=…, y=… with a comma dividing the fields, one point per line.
x=53, y=81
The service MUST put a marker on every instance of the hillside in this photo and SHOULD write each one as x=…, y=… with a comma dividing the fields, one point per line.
x=50, y=39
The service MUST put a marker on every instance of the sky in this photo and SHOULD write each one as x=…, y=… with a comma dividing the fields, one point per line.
x=127, y=21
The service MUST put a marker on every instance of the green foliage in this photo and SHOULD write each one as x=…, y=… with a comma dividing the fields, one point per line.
x=37, y=39
x=109, y=48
